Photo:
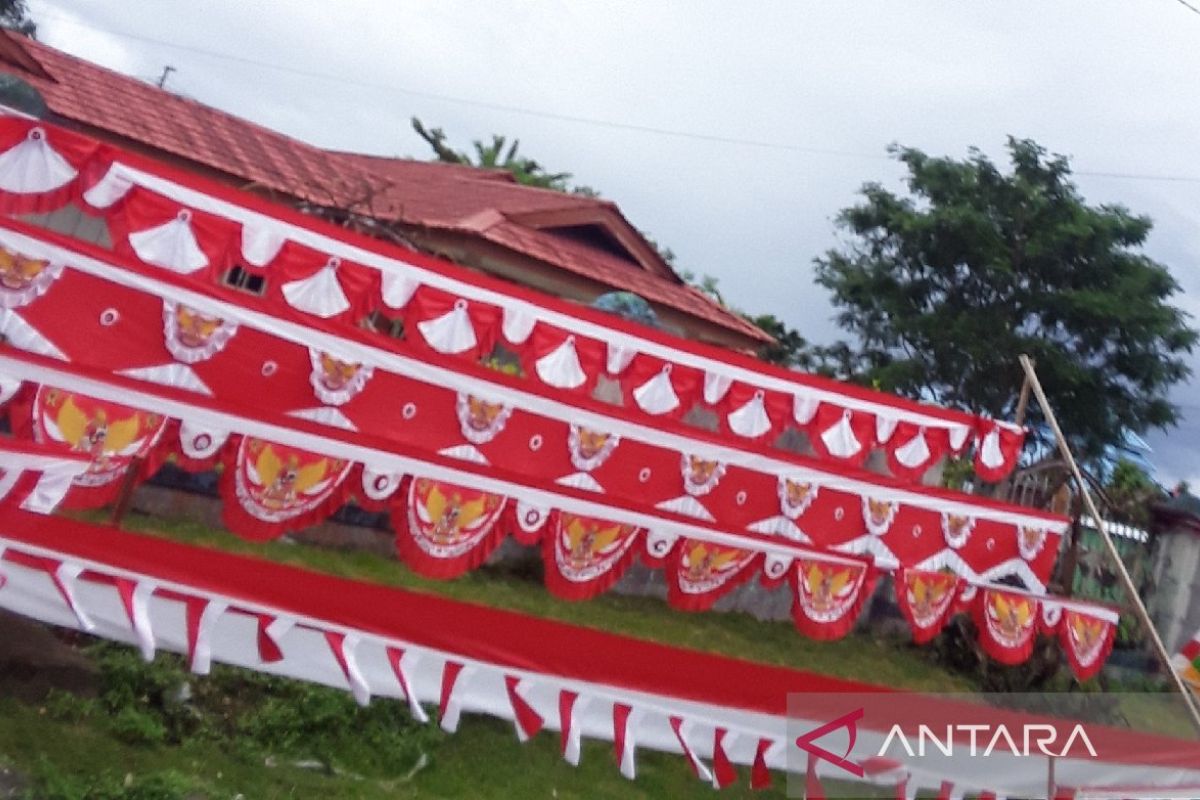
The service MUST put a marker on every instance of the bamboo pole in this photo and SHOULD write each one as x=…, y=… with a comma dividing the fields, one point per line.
x=1139, y=607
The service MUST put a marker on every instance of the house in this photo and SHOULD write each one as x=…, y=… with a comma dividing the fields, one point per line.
x=570, y=246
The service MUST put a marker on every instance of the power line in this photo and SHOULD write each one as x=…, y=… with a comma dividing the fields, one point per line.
x=552, y=115
x=1188, y=6
x=533, y=112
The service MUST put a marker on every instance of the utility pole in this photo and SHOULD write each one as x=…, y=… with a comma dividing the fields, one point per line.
x=1102, y=528
x=162, y=79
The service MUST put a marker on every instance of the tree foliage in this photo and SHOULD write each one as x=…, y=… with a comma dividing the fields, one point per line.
x=499, y=153
x=944, y=287
x=14, y=14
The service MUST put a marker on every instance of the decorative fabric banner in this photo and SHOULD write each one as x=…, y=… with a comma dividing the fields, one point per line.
x=270, y=488
x=584, y=556
x=926, y=599
x=336, y=382
x=39, y=166
x=700, y=573
x=23, y=280
x=829, y=596
x=111, y=435
x=1008, y=624
x=446, y=529
x=1087, y=640
x=192, y=337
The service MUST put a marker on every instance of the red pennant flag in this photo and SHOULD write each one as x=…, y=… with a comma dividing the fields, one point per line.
x=813, y=790
x=723, y=770
x=760, y=774
x=448, y=711
x=529, y=721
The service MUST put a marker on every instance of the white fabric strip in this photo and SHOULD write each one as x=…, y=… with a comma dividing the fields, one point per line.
x=202, y=652
x=140, y=613
x=414, y=368
x=260, y=245
x=66, y=574
x=454, y=703
x=354, y=675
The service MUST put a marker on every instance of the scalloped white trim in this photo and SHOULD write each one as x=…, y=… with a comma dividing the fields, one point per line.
x=560, y=367
x=171, y=245
x=319, y=294
x=840, y=440
x=33, y=166
x=452, y=332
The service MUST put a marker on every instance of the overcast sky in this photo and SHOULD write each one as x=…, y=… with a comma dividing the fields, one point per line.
x=823, y=87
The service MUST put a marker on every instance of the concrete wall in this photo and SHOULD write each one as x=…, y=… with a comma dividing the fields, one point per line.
x=1175, y=606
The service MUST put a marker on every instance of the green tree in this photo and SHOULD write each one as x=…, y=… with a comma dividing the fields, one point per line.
x=14, y=15
x=499, y=153
x=943, y=287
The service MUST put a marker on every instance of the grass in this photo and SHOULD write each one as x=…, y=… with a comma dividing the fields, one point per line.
x=245, y=735
x=886, y=661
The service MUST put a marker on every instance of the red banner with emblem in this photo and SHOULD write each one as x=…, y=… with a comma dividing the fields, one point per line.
x=1008, y=624
x=269, y=489
x=445, y=530
x=584, y=556
x=1087, y=640
x=112, y=435
x=700, y=573
x=926, y=599
x=828, y=596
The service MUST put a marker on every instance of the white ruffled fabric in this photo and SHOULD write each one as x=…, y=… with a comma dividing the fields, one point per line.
x=840, y=440
x=397, y=290
x=171, y=245
x=915, y=451
x=199, y=442
x=751, y=419
x=379, y=485
x=884, y=428
x=452, y=332
x=619, y=358
x=33, y=166
x=657, y=395
x=175, y=375
x=261, y=245
x=715, y=387
x=320, y=294
x=804, y=408
x=990, y=453
x=518, y=323
x=958, y=436
x=560, y=367
x=109, y=189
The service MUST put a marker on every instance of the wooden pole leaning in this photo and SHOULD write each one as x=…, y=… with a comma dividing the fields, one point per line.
x=1139, y=607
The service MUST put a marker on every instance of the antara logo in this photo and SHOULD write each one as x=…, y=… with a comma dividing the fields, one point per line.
x=1030, y=740
x=980, y=740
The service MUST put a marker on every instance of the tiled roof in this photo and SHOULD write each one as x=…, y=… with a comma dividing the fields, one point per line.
x=482, y=203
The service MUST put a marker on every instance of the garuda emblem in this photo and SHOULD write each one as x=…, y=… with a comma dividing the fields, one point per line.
x=586, y=548
x=276, y=482
x=929, y=596
x=23, y=279
x=191, y=336
x=828, y=591
x=446, y=520
x=701, y=476
x=1088, y=636
x=878, y=514
x=1030, y=541
x=795, y=496
x=110, y=434
x=704, y=566
x=589, y=448
x=480, y=420
x=1011, y=618
x=956, y=528
x=336, y=382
